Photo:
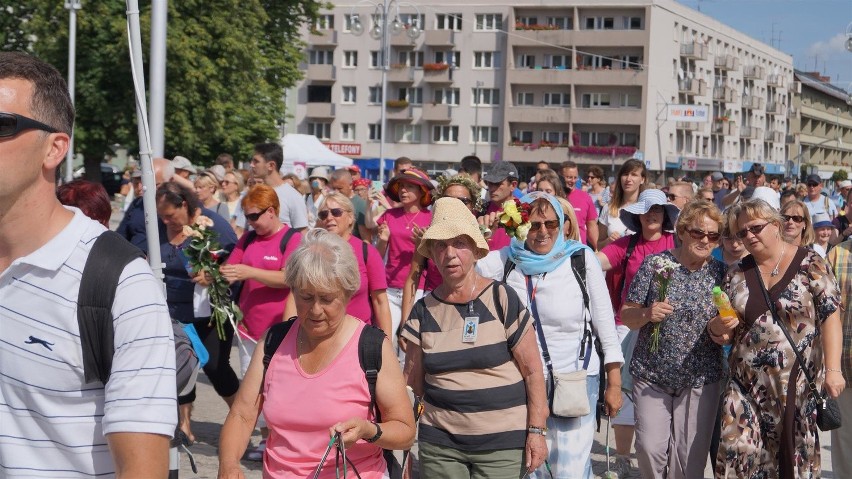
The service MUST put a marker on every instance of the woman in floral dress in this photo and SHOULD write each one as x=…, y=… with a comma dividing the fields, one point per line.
x=758, y=439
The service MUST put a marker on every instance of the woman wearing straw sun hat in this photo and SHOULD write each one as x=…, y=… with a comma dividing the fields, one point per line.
x=473, y=358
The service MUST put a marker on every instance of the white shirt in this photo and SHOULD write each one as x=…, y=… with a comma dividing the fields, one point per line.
x=293, y=211
x=51, y=423
x=559, y=301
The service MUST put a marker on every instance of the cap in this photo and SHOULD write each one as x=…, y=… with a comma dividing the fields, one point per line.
x=845, y=184
x=183, y=163
x=137, y=173
x=319, y=172
x=217, y=171
x=354, y=168
x=813, y=179
x=498, y=172
x=821, y=220
x=716, y=176
x=756, y=169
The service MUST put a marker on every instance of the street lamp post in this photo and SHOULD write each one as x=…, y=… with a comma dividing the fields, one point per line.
x=379, y=31
x=72, y=6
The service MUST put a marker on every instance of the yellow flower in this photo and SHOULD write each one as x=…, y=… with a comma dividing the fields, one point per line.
x=522, y=231
x=510, y=216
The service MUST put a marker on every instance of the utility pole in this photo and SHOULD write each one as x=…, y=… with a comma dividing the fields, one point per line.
x=72, y=6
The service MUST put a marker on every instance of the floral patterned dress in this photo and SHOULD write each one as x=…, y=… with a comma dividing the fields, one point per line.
x=769, y=429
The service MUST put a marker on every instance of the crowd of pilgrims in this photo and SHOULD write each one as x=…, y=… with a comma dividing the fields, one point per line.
x=605, y=284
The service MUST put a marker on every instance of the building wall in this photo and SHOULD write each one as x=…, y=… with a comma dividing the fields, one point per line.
x=820, y=127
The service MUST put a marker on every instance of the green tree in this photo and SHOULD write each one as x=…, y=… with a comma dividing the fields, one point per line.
x=839, y=175
x=228, y=65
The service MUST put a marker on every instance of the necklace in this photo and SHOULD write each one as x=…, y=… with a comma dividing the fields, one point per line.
x=774, y=271
x=409, y=222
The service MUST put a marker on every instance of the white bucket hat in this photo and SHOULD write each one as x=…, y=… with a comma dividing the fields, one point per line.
x=630, y=214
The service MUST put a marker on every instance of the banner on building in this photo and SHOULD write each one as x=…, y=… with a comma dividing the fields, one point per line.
x=689, y=113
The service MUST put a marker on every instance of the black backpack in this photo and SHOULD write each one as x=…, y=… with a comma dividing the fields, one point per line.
x=237, y=288
x=370, y=357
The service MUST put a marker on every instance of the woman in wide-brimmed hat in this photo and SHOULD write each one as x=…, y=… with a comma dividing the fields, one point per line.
x=413, y=190
x=473, y=357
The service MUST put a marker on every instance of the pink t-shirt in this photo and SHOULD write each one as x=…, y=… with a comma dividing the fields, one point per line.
x=372, y=279
x=262, y=306
x=499, y=239
x=584, y=209
x=401, y=248
x=617, y=250
x=300, y=408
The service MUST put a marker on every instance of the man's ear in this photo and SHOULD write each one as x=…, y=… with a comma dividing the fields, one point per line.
x=56, y=149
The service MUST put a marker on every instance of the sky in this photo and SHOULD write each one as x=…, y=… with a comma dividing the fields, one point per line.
x=809, y=30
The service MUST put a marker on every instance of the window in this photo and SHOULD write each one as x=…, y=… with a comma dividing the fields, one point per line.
x=597, y=61
x=446, y=96
x=375, y=132
x=324, y=22
x=350, y=59
x=600, y=23
x=319, y=93
x=321, y=57
x=528, y=21
x=595, y=100
x=489, y=22
x=407, y=134
x=412, y=19
x=348, y=95
x=525, y=98
x=347, y=131
x=486, y=59
x=348, y=20
x=557, y=99
x=410, y=59
x=631, y=62
x=414, y=96
x=452, y=21
x=376, y=59
x=483, y=134
x=631, y=100
x=561, y=23
x=555, y=137
x=320, y=130
x=559, y=62
x=629, y=139
x=522, y=136
x=375, y=95
x=448, y=57
x=445, y=134
x=632, y=23
x=486, y=96
x=526, y=60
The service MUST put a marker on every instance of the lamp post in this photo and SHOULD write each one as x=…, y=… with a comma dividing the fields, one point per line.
x=72, y=6
x=379, y=31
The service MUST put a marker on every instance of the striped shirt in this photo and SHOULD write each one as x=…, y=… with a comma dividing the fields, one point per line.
x=840, y=258
x=474, y=393
x=52, y=424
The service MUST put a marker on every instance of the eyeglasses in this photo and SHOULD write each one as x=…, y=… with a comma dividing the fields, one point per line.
x=11, y=124
x=672, y=196
x=549, y=224
x=813, y=185
x=755, y=230
x=336, y=212
x=699, y=235
x=466, y=201
x=796, y=218
x=255, y=216
x=226, y=182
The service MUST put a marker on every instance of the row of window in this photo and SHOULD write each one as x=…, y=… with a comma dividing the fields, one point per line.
x=492, y=22
x=407, y=133
x=486, y=60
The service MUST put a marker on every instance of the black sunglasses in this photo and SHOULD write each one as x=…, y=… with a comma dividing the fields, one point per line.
x=699, y=235
x=672, y=196
x=796, y=218
x=255, y=216
x=755, y=230
x=11, y=124
x=466, y=201
x=549, y=224
x=336, y=212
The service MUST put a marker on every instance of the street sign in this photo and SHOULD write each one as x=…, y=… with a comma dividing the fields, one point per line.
x=347, y=149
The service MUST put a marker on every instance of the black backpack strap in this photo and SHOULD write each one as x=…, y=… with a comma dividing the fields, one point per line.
x=508, y=266
x=250, y=237
x=109, y=255
x=286, y=238
x=370, y=357
x=364, y=251
x=274, y=337
x=634, y=240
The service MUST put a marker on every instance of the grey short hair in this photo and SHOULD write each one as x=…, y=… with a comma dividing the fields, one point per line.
x=323, y=261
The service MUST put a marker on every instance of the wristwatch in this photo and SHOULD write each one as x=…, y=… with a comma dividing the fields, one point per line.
x=378, y=434
x=542, y=431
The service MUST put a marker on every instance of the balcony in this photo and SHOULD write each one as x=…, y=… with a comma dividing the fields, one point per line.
x=321, y=73
x=751, y=133
x=402, y=40
x=693, y=50
x=438, y=76
x=437, y=112
x=395, y=113
x=777, y=137
x=537, y=114
x=727, y=62
x=775, y=80
x=725, y=128
x=440, y=38
x=775, y=108
x=688, y=126
x=537, y=38
x=323, y=38
x=754, y=72
x=319, y=110
x=691, y=86
x=724, y=94
x=751, y=102
x=401, y=74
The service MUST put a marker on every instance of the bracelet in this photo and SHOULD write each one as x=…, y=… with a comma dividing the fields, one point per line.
x=542, y=431
x=833, y=370
x=378, y=434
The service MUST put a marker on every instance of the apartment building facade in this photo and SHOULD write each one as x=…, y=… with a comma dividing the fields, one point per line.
x=546, y=80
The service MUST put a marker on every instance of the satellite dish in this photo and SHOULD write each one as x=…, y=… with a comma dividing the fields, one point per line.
x=680, y=73
x=745, y=90
x=691, y=75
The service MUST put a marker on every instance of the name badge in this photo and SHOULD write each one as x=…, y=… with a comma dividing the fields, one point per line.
x=471, y=325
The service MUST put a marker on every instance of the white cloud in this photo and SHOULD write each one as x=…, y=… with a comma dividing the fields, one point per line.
x=824, y=48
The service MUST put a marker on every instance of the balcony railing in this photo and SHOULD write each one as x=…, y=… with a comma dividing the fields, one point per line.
x=751, y=133
x=725, y=128
x=323, y=38
x=754, y=72
x=437, y=112
x=440, y=38
x=727, y=62
x=775, y=108
x=321, y=73
x=404, y=113
x=438, y=76
x=401, y=74
x=724, y=94
x=687, y=125
x=693, y=50
x=775, y=80
x=319, y=110
x=751, y=102
x=777, y=137
x=692, y=86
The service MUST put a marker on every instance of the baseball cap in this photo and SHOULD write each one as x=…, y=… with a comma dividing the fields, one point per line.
x=498, y=172
x=183, y=163
x=756, y=169
x=813, y=179
x=716, y=176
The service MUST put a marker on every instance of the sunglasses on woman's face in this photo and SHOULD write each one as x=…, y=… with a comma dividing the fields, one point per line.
x=549, y=224
x=11, y=124
x=755, y=230
x=795, y=218
x=336, y=212
x=699, y=235
x=255, y=216
x=466, y=201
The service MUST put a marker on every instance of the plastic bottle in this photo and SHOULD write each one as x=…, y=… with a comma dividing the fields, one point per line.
x=723, y=304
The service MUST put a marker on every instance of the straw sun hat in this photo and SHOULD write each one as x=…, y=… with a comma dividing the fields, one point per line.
x=451, y=219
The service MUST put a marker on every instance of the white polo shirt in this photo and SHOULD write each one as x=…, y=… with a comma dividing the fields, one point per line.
x=51, y=423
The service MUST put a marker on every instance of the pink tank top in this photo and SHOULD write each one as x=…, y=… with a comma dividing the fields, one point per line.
x=300, y=408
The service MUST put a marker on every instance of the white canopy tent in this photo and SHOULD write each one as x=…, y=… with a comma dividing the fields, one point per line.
x=309, y=150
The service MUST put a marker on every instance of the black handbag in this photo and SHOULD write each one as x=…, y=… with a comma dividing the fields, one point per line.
x=828, y=412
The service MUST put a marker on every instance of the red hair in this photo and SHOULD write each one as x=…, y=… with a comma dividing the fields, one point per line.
x=90, y=197
x=261, y=197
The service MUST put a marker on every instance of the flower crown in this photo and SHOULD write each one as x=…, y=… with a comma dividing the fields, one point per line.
x=475, y=190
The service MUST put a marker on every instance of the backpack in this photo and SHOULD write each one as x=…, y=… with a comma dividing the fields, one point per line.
x=237, y=287
x=109, y=255
x=370, y=358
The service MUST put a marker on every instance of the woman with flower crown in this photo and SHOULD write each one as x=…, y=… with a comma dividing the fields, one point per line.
x=538, y=266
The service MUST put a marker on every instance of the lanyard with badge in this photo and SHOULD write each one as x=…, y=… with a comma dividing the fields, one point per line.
x=471, y=321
